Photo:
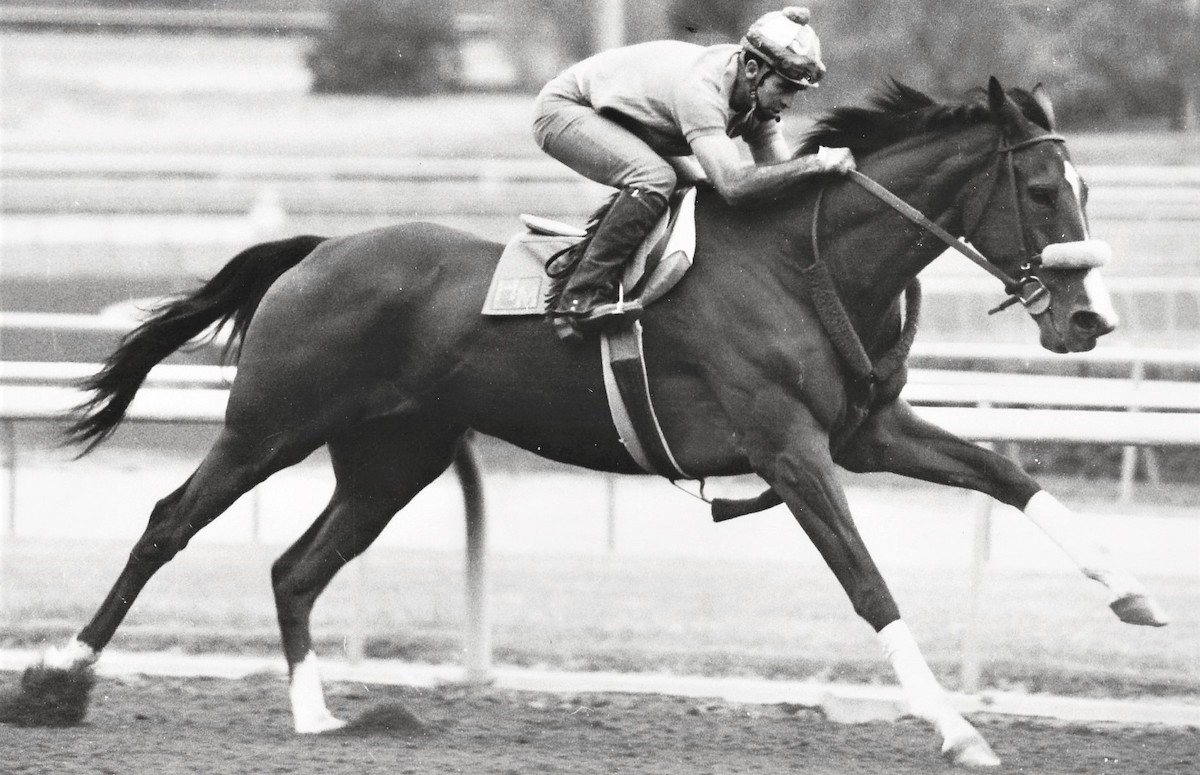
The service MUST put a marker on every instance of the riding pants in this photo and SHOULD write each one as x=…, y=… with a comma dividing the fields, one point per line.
x=570, y=130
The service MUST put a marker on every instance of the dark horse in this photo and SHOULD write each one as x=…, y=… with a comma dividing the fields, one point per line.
x=373, y=345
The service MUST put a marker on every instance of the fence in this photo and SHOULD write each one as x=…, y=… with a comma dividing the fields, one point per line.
x=987, y=408
x=170, y=216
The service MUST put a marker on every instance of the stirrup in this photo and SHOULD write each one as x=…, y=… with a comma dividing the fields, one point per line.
x=572, y=328
x=608, y=316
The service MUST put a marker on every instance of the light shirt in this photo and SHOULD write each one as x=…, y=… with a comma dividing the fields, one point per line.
x=667, y=92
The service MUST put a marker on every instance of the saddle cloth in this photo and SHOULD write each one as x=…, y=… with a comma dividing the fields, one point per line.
x=520, y=285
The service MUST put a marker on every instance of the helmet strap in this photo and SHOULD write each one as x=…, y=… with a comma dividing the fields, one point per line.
x=763, y=71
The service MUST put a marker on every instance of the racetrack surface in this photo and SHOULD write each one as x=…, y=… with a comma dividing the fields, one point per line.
x=177, y=725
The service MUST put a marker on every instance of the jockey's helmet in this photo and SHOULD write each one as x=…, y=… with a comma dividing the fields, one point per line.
x=786, y=43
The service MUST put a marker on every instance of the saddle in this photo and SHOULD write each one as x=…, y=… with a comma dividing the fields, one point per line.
x=520, y=286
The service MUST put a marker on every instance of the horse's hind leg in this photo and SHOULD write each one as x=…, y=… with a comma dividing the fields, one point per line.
x=233, y=466
x=379, y=468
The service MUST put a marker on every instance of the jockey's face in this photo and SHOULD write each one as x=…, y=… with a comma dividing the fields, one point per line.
x=775, y=95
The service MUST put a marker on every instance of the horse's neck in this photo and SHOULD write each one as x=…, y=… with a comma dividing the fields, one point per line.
x=871, y=250
x=869, y=247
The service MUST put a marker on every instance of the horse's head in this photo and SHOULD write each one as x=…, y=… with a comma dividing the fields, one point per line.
x=1025, y=212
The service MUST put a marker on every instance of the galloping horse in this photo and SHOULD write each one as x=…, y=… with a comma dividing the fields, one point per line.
x=373, y=345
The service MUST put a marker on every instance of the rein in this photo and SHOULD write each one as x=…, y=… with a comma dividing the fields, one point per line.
x=1026, y=289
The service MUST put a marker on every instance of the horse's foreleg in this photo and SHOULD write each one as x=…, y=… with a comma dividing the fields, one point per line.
x=1129, y=600
x=961, y=742
x=379, y=469
x=803, y=473
x=896, y=440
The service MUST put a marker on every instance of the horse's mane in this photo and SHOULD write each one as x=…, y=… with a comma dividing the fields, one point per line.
x=898, y=111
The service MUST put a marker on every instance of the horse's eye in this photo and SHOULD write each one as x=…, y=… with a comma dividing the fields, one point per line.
x=1046, y=196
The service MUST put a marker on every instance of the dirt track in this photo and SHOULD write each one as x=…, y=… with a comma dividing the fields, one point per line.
x=171, y=725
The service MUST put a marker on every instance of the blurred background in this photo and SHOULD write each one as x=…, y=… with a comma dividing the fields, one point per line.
x=144, y=142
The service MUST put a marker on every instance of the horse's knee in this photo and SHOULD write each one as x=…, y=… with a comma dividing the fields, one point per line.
x=873, y=602
x=829, y=524
x=1020, y=485
x=803, y=472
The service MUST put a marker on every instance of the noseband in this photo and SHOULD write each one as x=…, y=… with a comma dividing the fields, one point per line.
x=1027, y=288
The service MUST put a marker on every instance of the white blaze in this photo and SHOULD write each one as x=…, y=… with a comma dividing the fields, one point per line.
x=1076, y=183
x=1093, y=284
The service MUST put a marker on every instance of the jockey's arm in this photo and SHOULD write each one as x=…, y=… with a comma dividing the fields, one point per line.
x=687, y=170
x=741, y=182
x=771, y=150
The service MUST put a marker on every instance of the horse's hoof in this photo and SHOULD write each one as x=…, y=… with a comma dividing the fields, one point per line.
x=970, y=751
x=1139, y=609
x=319, y=725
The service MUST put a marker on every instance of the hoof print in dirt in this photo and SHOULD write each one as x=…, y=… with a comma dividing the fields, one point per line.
x=386, y=719
x=48, y=697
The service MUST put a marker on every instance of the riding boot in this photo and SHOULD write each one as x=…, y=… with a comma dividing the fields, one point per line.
x=589, y=302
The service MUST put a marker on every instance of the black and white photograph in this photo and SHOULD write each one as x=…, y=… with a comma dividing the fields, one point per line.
x=676, y=387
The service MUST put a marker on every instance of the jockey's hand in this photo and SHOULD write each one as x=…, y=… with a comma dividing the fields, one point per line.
x=838, y=161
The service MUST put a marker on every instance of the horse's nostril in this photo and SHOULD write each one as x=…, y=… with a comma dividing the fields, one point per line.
x=1090, y=323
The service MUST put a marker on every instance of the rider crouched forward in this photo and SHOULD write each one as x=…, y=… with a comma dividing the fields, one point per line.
x=633, y=117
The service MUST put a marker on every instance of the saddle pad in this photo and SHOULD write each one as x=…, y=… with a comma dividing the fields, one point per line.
x=519, y=283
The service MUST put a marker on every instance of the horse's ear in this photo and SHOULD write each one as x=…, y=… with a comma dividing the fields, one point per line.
x=996, y=96
x=1042, y=98
x=1003, y=109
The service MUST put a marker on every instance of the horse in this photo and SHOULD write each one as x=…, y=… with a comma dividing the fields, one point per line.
x=373, y=345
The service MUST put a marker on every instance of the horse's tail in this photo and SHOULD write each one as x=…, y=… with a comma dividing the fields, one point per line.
x=230, y=297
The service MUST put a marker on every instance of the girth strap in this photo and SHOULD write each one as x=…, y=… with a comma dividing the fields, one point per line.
x=629, y=402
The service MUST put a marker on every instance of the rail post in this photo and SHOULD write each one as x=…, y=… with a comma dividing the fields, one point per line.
x=610, y=24
x=970, y=666
x=1129, y=453
x=478, y=668
x=9, y=527
x=610, y=492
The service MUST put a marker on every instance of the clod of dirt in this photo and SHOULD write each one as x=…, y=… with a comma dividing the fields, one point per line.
x=48, y=697
x=385, y=719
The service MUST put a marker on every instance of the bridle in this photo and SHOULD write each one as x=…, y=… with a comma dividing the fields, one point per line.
x=1027, y=288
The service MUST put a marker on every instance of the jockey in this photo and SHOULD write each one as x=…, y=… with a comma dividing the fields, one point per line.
x=648, y=117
